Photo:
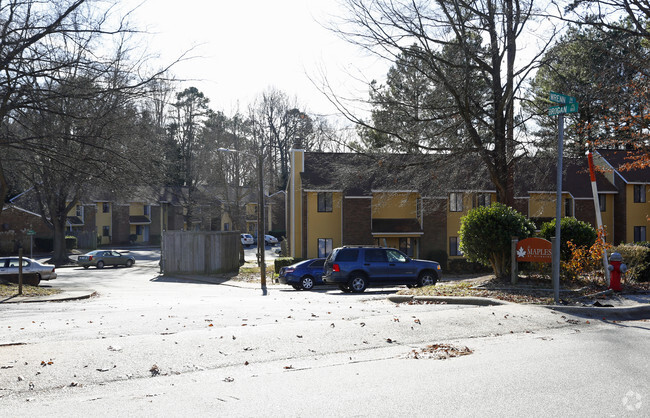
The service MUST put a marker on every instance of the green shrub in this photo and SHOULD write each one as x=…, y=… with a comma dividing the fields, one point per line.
x=70, y=242
x=285, y=261
x=637, y=259
x=580, y=233
x=486, y=234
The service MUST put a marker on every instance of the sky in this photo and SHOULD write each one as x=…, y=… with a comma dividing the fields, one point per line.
x=241, y=48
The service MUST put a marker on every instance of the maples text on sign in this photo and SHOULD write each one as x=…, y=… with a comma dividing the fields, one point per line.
x=537, y=250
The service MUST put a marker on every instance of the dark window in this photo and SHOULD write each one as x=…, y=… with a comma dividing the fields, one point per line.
x=106, y=207
x=138, y=229
x=324, y=247
x=317, y=263
x=483, y=199
x=80, y=211
x=455, y=202
x=639, y=234
x=347, y=254
x=602, y=202
x=406, y=246
x=568, y=207
x=639, y=193
x=454, y=246
x=147, y=210
x=375, y=255
x=324, y=202
x=106, y=231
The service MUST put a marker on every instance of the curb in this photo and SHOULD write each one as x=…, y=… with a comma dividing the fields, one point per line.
x=620, y=313
x=65, y=295
x=617, y=313
x=453, y=300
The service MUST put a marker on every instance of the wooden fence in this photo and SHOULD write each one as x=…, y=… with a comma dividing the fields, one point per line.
x=200, y=252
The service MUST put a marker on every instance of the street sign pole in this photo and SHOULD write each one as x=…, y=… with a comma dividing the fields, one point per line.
x=558, y=210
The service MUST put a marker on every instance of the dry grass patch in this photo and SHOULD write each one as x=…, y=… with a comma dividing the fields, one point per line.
x=11, y=289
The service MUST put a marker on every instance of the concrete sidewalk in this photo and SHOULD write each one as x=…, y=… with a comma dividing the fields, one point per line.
x=66, y=294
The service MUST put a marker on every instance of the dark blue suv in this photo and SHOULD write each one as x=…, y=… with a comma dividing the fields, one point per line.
x=353, y=268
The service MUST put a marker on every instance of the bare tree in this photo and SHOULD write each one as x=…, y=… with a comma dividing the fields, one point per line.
x=468, y=52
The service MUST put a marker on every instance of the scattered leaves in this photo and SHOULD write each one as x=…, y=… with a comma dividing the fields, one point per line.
x=440, y=352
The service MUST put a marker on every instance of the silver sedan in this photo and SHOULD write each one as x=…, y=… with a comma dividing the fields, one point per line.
x=33, y=271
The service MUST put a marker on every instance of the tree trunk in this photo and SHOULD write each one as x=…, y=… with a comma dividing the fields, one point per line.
x=59, y=252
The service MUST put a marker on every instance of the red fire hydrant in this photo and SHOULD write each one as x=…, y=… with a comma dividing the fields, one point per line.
x=616, y=268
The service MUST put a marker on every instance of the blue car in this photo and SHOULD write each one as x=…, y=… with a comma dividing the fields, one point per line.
x=303, y=275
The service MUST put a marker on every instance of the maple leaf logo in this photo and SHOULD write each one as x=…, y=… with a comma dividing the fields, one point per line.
x=521, y=252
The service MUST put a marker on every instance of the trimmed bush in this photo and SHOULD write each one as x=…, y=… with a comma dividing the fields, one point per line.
x=70, y=242
x=486, y=234
x=285, y=261
x=637, y=259
x=580, y=233
x=44, y=244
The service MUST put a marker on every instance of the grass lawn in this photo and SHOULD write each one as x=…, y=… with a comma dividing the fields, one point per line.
x=11, y=289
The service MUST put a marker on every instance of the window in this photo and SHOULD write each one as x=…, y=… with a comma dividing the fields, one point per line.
x=602, y=202
x=455, y=202
x=639, y=234
x=226, y=226
x=454, y=246
x=347, y=254
x=375, y=255
x=483, y=199
x=106, y=231
x=324, y=247
x=406, y=246
x=138, y=229
x=568, y=207
x=106, y=207
x=639, y=193
x=395, y=256
x=80, y=211
x=147, y=210
x=324, y=202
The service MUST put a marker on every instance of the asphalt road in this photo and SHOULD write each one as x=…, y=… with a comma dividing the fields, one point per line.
x=151, y=345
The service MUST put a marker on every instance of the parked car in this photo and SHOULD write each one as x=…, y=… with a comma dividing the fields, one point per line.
x=247, y=239
x=101, y=258
x=270, y=240
x=354, y=268
x=33, y=271
x=304, y=274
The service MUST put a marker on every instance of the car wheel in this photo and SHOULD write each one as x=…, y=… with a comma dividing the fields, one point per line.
x=129, y=263
x=427, y=278
x=307, y=283
x=100, y=264
x=358, y=283
x=85, y=267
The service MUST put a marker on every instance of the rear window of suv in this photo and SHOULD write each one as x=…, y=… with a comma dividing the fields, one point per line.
x=347, y=254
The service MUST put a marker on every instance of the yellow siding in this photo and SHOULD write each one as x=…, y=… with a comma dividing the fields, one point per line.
x=323, y=224
x=453, y=220
x=102, y=220
x=295, y=212
x=542, y=205
x=608, y=218
x=226, y=219
x=251, y=209
x=637, y=213
x=388, y=205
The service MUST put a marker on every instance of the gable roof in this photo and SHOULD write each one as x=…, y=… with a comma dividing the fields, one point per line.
x=360, y=174
x=618, y=158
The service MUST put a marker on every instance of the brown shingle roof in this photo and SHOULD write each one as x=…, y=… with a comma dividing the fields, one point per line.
x=618, y=158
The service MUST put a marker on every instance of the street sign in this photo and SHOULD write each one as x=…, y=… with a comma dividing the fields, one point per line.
x=561, y=98
x=569, y=108
x=31, y=232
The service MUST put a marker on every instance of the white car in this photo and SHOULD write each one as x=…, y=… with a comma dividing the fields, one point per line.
x=247, y=239
x=33, y=271
x=270, y=240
